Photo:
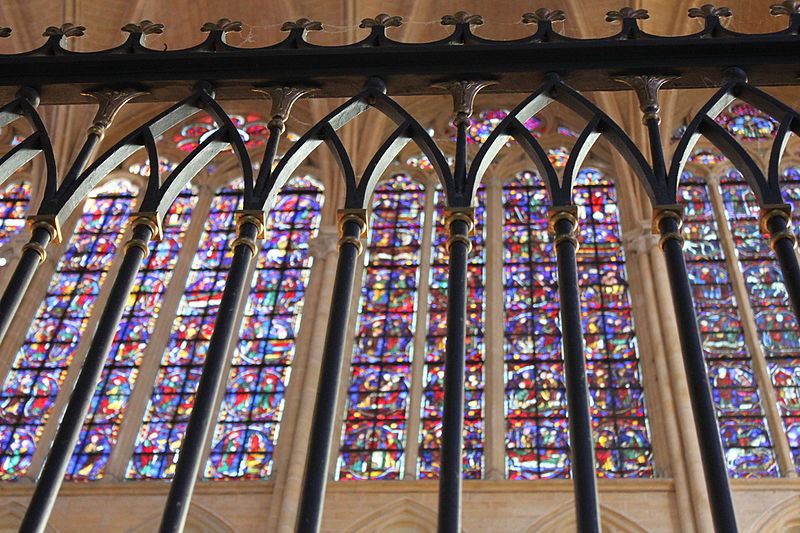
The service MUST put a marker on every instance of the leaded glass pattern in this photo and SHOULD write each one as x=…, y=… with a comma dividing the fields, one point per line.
x=433, y=392
x=99, y=433
x=741, y=418
x=537, y=432
x=481, y=127
x=247, y=430
x=14, y=200
x=41, y=364
x=747, y=123
x=374, y=432
x=776, y=324
x=167, y=414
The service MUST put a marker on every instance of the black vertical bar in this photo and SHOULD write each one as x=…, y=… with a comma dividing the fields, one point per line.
x=581, y=441
x=22, y=276
x=195, y=440
x=783, y=243
x=55, y=466
x=714, y=466
x=315, y=476
x=450, y=478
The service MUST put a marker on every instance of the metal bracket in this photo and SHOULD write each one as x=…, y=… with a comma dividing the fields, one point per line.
x=253, y=216
x=152, y=221
x=48, y=222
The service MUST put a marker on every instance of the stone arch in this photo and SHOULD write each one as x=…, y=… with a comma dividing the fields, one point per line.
x=11, y=517
x=200, y=520
x=783, y=517
x=562, y=520
x=403, y=516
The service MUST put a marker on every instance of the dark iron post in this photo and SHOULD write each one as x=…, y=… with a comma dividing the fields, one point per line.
x=212, y=379
x=44, y=230
x=564, y=227
x=776, y=221
x=55, y=466
x=460, y=224
x=353, y=225
x=667, y=220
x=45, y=227
x=250, y=225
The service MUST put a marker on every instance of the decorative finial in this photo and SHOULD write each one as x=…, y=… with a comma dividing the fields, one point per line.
x=543, y=15
x=223, y=25
x=67, y=29
x=787, y=7
x=709, y=10
x=462, y=17
x=302, y=24
x=145, y=27
x=283, y=98
x=381, y=20
x=646, y=88
x=627, y=13
x=5, y=32
x=463, y=97
x=110, y=101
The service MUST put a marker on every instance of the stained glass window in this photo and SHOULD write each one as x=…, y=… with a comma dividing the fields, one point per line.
x=252, y=128
x=14, y=200
x=421, y=161
x=747, y=123
x=143, y=169
x=743, y=427
x=537, y=439
x=704, y=156
x=242, y=454
x=433, y=393
x=776, y=324
x=558, y=156
x=566, y=131
x=99, y=433
x=41, y=364
x=251, y=411
x=374, y=433
x=170, y=405
x=481, y=127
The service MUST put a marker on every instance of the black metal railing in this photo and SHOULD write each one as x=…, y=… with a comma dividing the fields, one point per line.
x=547, y=65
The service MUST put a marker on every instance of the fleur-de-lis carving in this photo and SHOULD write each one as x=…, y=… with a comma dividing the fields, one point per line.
x=543, y=14
x=145, y=27
x=709, y=10
x=787, y=7
x=627, y=13
x=223, y=25
x=5, y=32
x=67, y=29
x=302, y=24
x=462, y=17
x=381, y=20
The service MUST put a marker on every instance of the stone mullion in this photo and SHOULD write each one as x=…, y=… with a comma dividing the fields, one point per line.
x=151, y=358
x=494, y=335
x=655, y=373
x=416, y=382
x=680, y=392
x=292, y=445
x=769, y=398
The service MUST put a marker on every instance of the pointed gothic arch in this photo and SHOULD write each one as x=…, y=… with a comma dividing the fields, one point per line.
x=562, y=520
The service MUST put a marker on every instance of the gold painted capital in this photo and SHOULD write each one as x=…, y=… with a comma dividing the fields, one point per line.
x=770, y=211
x=555, y=214
x=152, y=221
x=47, y=222
x=252, y=216
x=359, y=216
x=464, y=214
x=666, y=211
